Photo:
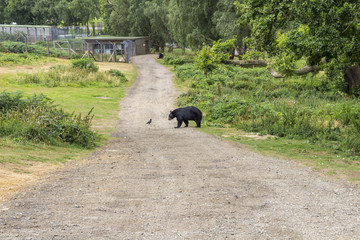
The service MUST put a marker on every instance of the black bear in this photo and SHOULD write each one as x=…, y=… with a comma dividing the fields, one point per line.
x=185, y=114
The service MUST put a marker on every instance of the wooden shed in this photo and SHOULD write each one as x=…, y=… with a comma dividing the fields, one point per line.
x=117, y=48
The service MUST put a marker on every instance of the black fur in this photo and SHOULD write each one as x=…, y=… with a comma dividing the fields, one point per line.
x=185, y=114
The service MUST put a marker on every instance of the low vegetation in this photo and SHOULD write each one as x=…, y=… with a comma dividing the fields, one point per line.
x=39, y=49
x=82, y=73
x=33, y=116
x=309, y=109
x=36, y=119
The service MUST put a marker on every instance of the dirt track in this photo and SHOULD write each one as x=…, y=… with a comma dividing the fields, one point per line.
x=157, y=182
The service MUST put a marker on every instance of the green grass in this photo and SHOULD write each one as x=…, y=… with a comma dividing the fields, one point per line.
x=311, y=120
x=18, y=153
x=335, y=163
x=104, y=100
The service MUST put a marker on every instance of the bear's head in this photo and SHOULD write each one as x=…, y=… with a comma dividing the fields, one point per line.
x=171, y=115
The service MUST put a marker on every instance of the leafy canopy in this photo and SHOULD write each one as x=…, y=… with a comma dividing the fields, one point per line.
x=316, y=30
x=208, y=57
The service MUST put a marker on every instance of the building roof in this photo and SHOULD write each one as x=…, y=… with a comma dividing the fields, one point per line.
x=22, y=26
x=112, y=39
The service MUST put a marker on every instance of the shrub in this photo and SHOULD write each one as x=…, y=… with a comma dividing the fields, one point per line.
x=85, y=63
x=38, y=49
x=302, y=107
x=62, y=76
x=173, y=59
x=36, y=118
x=118, y=74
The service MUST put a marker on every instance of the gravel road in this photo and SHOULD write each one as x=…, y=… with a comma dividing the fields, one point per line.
x=152, y=181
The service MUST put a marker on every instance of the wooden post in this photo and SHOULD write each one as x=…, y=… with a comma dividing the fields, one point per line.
x=48, y=49
x=126, y=56
x=26, y=44
x=102, y=51
x=74, y=45
x=88, y=50
x=114, y=47
x=69, y=48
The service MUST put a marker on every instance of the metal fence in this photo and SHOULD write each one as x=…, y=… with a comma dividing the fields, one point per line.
x=68, y=39
x=36, y=33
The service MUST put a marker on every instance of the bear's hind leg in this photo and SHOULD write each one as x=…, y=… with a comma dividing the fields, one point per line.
x=198, y=123
x=186, y=123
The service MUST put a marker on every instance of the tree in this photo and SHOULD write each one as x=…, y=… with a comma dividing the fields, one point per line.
x=226, y=24
x=209, y=56
x=324, y=32
x=139, y=22
x=157, y=13
x=84, y=11
x=46, y=13
x=115, y=17
x=126, y=17
x=190, y=22
x=19, y=11
x=177, y=23
x=2, y=10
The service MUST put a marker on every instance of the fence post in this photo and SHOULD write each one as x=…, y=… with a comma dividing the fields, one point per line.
x=26, y=44
x=48, y=48
x=88, y=50
x=102, y=51
x=114, y=47
x=69, y=48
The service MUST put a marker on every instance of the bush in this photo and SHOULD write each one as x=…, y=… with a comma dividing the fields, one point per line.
x=173, y=59
x=37, y=119
x=38, y=49
x=301, y=107
x=16, y=37
x=118, y=74
x=62, y=76
x=85, y=63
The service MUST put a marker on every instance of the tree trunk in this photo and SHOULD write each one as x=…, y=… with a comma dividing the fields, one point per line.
x=352, y=77
x=262, y=63
x=171, y=48
x=307, y=69
x=274, y=73
x=249, y=63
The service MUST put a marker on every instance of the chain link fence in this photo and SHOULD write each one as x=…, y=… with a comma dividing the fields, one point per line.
x=46, y=40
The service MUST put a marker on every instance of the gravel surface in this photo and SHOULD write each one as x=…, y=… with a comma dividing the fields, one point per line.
x=152, y=181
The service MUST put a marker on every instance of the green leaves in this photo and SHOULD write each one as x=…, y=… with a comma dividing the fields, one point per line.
x=316, y=30
x=208, y=57
x=36, y=118
x=85, y=63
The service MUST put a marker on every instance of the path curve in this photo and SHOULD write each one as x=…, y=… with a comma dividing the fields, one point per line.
x=157, y=182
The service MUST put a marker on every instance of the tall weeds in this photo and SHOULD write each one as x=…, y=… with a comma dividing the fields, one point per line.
x=37, y=119
x=75, y=76
x=251, y=99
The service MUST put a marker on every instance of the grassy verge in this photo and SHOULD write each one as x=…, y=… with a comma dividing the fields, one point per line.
x=333, y=163
x=298, y=118
x=19, y=159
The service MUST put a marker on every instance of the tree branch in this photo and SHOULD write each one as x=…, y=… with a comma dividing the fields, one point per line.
x=356, y=15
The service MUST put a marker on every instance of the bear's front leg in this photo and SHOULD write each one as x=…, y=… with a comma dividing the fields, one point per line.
x=179, y=124
x=186, y=123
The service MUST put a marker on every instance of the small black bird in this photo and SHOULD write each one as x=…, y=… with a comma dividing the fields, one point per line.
x=149, y=121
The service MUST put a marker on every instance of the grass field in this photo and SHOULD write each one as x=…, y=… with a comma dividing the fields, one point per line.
x=235, y=103
x=21, y=162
